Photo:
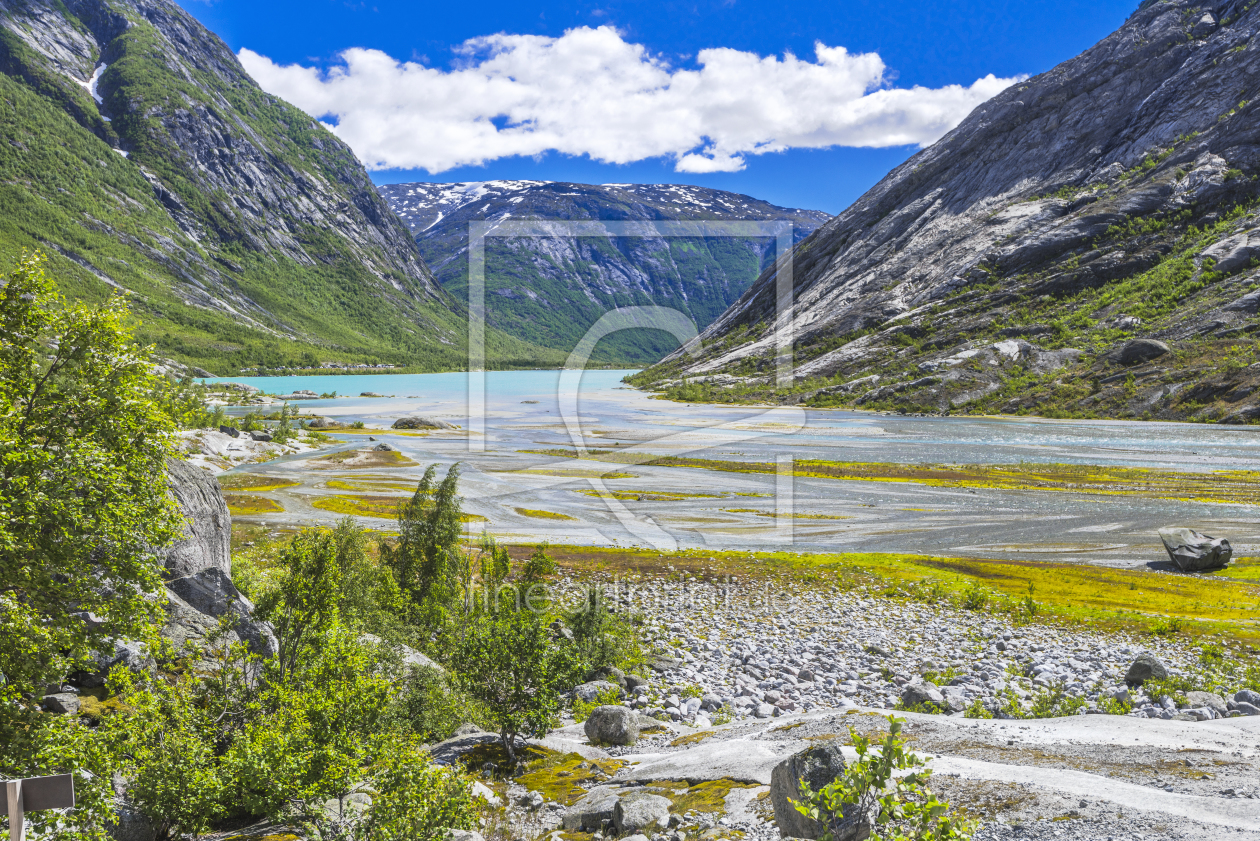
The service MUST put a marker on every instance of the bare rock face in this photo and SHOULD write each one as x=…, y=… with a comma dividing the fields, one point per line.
x=1110, y=194
x=814, y=769
x=199, y=566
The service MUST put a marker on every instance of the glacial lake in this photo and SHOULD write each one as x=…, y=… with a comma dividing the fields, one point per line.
x=666, y=507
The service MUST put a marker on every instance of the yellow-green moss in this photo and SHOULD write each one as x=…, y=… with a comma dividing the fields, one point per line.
x=245, y=504
x=254, y=482
x=692, y=738
x=360, y=459
x=564, y=778
x=369, y=485
x=543, y=515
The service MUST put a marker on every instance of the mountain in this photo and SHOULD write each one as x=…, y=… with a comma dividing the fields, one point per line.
x=138, y=154
x=549, y=291
x=1083, y=244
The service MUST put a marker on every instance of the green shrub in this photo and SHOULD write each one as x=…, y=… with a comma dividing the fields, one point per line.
x=888, y=787
x=416, y=800
x=432, y=708
x=582, y=709
x=977, y=710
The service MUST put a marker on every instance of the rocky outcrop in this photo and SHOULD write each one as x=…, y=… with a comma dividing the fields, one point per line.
x=200, y=192
x=1105, y=201
x=198, y=567
x=551, y=290
x=1194, y=552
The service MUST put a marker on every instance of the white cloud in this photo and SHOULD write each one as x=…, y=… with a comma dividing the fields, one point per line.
x=589, y=92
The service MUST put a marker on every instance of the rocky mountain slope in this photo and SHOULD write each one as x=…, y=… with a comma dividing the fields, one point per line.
x=136, y=151
x=549, y=291
x=1084, y=243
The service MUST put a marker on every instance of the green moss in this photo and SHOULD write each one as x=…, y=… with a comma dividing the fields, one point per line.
x=246, y=504
x=542, y=515
x=254, y=482
x=564, y=778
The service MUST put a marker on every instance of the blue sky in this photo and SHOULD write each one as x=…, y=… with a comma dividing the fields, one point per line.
x=377, y=107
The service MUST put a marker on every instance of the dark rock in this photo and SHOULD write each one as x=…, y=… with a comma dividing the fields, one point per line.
x=61, y=703
x=661, y=663
x=922, y=692
x=260, y=435
x=1249, y=303
x=1136, y=351
x=370, y=394
x=1146, y=667
x=811, y=769
x=593, y=810
x=323, y=423
x=1194, y=552
x=612, y=725
x=421, y=423
x=230, y=430
x=384, y=448
x=633, y=682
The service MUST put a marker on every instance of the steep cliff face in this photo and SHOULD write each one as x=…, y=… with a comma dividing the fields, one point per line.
x=1078, y=245
x=550, y=290
x=136, y=150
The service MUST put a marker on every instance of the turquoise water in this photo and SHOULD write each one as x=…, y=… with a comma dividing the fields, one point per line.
x=452, y=386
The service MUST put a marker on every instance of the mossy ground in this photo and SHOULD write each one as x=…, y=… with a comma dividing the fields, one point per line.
x=349, y=484
x=365, y=505
x=539, y=514
x=254, y=482
x=565, y=778
x=1224, y=604
x=360, y=460
x=247, y=504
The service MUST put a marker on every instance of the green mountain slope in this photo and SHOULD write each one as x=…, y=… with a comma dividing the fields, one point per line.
x=138, y=154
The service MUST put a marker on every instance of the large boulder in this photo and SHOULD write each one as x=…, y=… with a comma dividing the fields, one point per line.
x=612, y=725
x=421, y=423
x=812, y=769
x=593, y=811
x=1137, y=351
x=1194, y=552
x=639, y=810
x=1207, y=700
x=198, y=566
x=1145, y=667
x=612, y=674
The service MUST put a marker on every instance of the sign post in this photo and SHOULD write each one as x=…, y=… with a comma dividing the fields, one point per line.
x=32, y=795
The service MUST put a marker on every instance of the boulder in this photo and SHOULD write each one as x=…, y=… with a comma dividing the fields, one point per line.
x=590, y=691
x=1194, y=552
x=370, y=394
x=410, y=658
x=1247, y=303
x=711, y=702
x=661, y=663
x=61, y=703
x=1136, y=351
x=638, y=810
x=593, y=811
x=260, y=435
x=323, y=423
x=463, y=835
x=1233, y=253
x=1246, y=708
x=920, y=692
x=1204, y=26
x=230, y=431
x=1208, y=700
x=383, y=448
x=811, y=769
x=633, y=682
x=1145, y=667
x=1247, y=696
x=612, y=725
x=421, y=423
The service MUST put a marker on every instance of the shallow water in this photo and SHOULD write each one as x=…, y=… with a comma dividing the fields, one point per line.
x=829, y=514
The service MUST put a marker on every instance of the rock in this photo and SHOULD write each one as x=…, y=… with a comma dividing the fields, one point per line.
x=612, y=674
x=421, y=423
x=322, y=423
x=383, y=448
x=1145, y=667
x=661, y=663
x=711, y=702
x=813, y=768
x=351, y=807
x=449, y=751
x=467, y=730
x=530, y=800
x=1136, y=351
x=921, y=692
x=633, y=682
x=370, y=394
x=590, y=691
x=130, y=824
x=638, y=810
x=231, y=431
x=1194, y=552
x=763, y=711
x=612, y=725
x=1246, y=708
x=412, y=659
x=1209, y=700
x=260, y=435
x=61, y=703
x=463, y=835
x=593, y=810
x=1247, y=696
x=1247, y=303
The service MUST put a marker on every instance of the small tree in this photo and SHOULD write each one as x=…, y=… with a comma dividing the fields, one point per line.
x=307, y=603
x=508, y=662
x=84, y=440
x=427, y=560
x=284, y=430
x=900, y=805
x=416, y=799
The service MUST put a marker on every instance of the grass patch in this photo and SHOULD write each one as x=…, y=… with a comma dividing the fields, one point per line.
x=369, y=485
x=360, y=460
x=648, y=496
x=542, y=515
x=254, y=482
x=692, y=738
x=703, y=797
x=1063, y=593
x=245, y=504
x=575, y=473
x=366, y=505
